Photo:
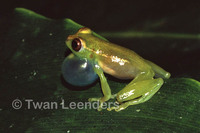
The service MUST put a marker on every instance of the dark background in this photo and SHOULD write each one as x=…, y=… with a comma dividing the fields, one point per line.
x=111, y=15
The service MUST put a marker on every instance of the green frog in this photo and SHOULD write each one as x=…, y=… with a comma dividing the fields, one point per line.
x=106, y=57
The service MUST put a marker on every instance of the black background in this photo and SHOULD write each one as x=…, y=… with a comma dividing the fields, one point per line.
x=107, y=15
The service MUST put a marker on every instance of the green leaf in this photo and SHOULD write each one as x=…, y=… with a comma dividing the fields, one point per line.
x=31, y=59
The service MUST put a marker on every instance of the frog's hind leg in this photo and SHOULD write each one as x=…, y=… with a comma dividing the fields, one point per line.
x=145, y=75
x=158, y=70
x=137, y=93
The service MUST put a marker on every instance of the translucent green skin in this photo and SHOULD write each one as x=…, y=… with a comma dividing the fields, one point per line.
x=121, y=63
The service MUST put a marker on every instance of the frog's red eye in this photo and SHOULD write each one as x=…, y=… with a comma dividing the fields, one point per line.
x=76, y=44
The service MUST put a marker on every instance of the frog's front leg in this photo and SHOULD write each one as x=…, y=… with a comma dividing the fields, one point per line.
x=141, y=89
x=105, y=88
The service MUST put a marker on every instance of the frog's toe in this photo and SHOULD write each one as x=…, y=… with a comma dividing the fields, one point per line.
x=119, y=109
x=116, y=108
x=99, y=109
x=109, y=109
x=112, y=108
x=93, y=99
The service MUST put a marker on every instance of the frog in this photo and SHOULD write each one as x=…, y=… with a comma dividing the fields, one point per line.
x=146, y=78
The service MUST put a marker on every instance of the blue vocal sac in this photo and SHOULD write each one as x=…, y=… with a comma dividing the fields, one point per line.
x=78, y=72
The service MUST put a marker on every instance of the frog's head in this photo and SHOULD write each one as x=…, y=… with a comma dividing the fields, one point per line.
x=78, y=42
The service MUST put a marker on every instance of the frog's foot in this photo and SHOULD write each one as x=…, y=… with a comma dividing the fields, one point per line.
x=99, y=100
x=131, y=102
x=94, y=99
x=118, y=108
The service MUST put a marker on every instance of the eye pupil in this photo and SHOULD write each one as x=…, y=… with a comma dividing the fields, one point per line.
x=76, y=44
